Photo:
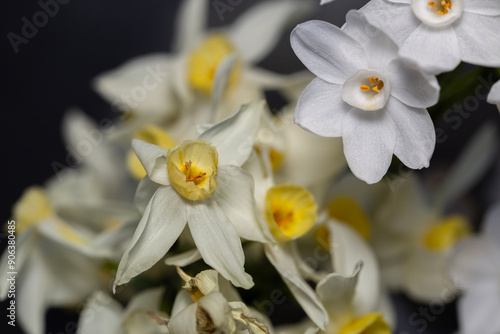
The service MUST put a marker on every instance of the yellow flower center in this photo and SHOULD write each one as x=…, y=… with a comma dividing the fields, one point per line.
x=371, y=323
x=291, y=211
x=444, y=234
x=346, y=210
x=31, y=208
x=192, y=168
x=204, y=60
x=275, y=157
x=442, y=7
x=150, y=134
x=372, y=85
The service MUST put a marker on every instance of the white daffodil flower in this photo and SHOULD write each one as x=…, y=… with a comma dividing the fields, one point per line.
x=414, y=234
x=199, y=183
x=209, y=304
x=494, y=95
x=366, y=95
x=353, y=299
x=104, y=315
x=474, y=267
x=60, y=248
x=437, y=35
x=160, y=86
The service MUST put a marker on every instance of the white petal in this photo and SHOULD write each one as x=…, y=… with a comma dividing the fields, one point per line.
x=154, y=160
x=327, y=51
x=221, y=80
x=320, y=109
x=400, y=21
x=190, y=24
x=415, y=134
x=184, y=322
x=142, y=83
x=235, y=196
x=478, y=39
x=369, y=140
x=483, y=7
x=257, y=31
x=184, y=259
x=162, y=223
x=25, y=244
x=218, y=242
x=280, y=255
x=494, y=95
x=219, y=311
x=145, y=190
x=435, y=50
x=491, y=224
x=411, y=86
x=101, y=315
x=348, y=248
x=146, y=300
x=478, y=309
x=182, y=301
x=370, y=34
x=234, y=137
x=337, y=292
x=471, y=261
x=473, y=162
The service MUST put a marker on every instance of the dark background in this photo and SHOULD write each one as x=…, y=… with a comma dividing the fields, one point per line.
x=53, y=71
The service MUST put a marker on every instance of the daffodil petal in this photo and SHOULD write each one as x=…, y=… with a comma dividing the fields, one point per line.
x=222, y=77
x=190, y=24
x=494, y=94
x=184, y=321
x=218, y=242
x=336, y=292
x=369, y=140
x=259, y=29
x=234, y=136
x=154, y=160
x=484, y=51
x=280, y=255
x=415, y=134
x=145, y=190
x=146, y=300
x=219, y=311
x=320, y=109
x=482, y=7
x=327, y=51
x=478, y=308
x=160, y=226
x=182, y=301
x=101, y=314
x=235, y=196
x=184, y=259
x=433, y=51
x=348, y=248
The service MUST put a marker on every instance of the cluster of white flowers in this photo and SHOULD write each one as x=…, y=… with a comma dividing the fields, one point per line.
x=199, y=174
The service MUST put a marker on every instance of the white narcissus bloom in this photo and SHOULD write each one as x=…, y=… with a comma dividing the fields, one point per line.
x=494, y=95
x=474, y=267
x=437, y=35
x=366, y=95
x=58, y=260
x=414, y=233
x=159, y=86
x=209, y=304
x=104, y=315
x=199, y=183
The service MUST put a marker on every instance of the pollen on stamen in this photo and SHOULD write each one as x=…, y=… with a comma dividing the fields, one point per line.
x=432, y=4
x=364, y=88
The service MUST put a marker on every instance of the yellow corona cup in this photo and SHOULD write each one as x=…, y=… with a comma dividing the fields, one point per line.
x=192, y=168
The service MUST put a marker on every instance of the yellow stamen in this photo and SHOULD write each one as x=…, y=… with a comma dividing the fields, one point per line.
x=365, y=88
x=432, y=4
x=373, y=80
x=375, y=85
x=443, y=8
x=291, y=211
x=192, y=168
